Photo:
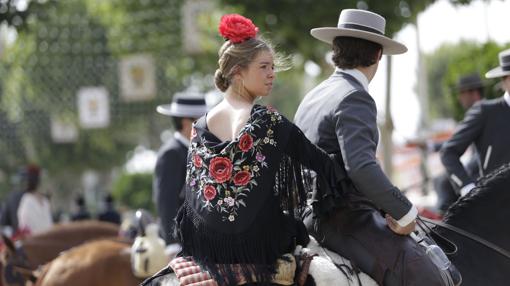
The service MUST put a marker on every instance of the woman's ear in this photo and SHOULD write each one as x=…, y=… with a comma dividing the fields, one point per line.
x=236, y=72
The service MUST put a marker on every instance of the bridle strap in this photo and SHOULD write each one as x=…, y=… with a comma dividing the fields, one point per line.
x=471, y=236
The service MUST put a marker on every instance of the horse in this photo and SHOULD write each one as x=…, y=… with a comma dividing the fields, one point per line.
x=478, y=225
x=36, y=250
x=99, y=262
x=475, y=224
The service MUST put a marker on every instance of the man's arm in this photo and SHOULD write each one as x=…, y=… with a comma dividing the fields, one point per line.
x=465, y=134
x=169, y=176
x=356, y=129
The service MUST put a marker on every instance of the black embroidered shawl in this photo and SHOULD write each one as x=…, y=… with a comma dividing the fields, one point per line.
x=242, y=195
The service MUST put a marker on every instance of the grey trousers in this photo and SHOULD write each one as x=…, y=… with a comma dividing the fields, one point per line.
x=359, y=233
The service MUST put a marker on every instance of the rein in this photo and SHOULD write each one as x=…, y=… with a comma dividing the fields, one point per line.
x=471, y=236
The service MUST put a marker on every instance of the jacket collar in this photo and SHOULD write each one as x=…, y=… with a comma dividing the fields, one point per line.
x=358, y=75
x=506, y=96
x=181, y=138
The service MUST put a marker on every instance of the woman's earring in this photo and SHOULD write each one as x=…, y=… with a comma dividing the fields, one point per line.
x=240, y=87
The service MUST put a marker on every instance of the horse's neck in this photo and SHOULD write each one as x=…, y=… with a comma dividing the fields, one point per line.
x=486, y=213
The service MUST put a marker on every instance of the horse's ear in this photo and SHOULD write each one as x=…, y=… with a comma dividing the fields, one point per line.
x=8, y=242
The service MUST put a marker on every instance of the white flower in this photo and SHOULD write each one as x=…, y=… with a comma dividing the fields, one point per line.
x=229, y=201
x=231, y=218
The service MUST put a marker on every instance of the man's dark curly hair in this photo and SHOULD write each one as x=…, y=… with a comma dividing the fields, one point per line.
x=349, y=53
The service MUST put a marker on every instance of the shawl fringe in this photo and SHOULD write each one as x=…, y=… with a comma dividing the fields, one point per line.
x=255, y=250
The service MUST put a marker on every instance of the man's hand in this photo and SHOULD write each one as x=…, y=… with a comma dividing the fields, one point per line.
x=396, y=228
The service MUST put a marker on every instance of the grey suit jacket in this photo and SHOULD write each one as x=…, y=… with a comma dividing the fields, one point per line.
x=340, y=117
x=486, y=125
x=168, y=184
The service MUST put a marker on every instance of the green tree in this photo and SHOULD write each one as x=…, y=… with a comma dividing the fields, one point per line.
x=77, y=43
x=134, y=191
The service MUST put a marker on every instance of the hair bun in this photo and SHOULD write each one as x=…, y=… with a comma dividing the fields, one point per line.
x=236, y=28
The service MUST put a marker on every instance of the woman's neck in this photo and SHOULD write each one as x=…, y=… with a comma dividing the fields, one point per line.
x=238, y=99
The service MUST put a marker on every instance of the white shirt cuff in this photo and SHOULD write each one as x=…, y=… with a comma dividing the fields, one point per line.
x=466, y=189
x=409, y=217
x=429, y=145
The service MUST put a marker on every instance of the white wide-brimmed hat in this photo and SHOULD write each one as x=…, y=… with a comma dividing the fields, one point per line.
x=504, y=66
x=185, y=104
x=360, y=24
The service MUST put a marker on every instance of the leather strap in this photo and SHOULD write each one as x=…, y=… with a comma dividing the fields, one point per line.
x=471, y=236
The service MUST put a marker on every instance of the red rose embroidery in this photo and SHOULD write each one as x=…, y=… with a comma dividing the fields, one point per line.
x=237, y=28
x=209, y=192
x=271, y=109
x=220, y=168
x=242, y=178
x=245, y=142
x=197, y=161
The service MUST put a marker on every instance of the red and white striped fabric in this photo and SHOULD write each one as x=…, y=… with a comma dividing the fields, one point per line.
x=190, y=274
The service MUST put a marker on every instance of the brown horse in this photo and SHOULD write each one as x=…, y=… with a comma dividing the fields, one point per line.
x=39, y=249
x=100, y=262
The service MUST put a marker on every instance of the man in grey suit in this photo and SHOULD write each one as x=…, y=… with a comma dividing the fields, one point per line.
x=339, y=115
x=470, y=90
x=170, y=172
x=486, y=126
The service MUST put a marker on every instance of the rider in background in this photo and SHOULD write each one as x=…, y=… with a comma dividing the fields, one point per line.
x=81, y=212
x=470, y=89
x=9, y=213
x=34, y=212
x=170, y=170
x=109, y=213
x=486, y=126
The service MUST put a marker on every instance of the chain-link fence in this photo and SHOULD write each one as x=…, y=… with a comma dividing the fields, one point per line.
x=80, y=80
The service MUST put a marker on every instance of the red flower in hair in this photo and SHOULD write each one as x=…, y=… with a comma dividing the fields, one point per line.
x=237, y=28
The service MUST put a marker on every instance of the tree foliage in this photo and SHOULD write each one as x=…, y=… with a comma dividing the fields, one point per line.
x=289, y=21
x=72, y=44
x=134, y=191
x=448, y=63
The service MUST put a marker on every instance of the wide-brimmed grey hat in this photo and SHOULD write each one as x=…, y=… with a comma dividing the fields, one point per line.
x=360, y=24
x=470, y=81
x=504, y=66
x=185, y=104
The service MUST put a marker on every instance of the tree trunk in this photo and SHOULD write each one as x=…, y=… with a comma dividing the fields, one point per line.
x=387, y=128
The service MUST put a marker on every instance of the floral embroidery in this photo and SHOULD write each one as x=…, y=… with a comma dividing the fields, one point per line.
x=223, y=180
x=197, y=161
x=209, y=192
x=242, y=178
x=245, y=142
x=220, y=168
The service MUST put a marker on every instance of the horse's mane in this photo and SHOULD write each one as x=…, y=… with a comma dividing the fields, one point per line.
x=494, y=182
